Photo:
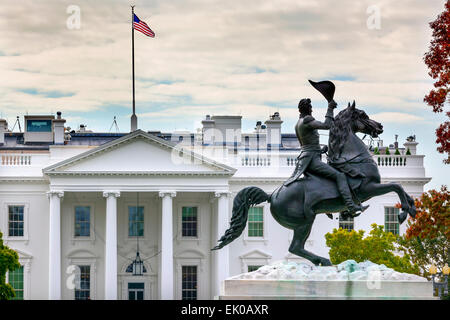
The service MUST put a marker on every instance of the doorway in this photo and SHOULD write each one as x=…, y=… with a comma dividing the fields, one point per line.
x=136, y=290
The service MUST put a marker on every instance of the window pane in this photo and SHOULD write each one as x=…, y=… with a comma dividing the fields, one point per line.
x=135, y=221
x=82, y=221
x=15, y=279
x=347, y=223
x=253, y=268
x=255, y=222
x=189, y=222
x=83, y=283
x=16, y=221
x=189, y=283
x=391, y=223
x=39, y=125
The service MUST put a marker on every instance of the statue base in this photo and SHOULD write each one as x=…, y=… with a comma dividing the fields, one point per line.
x=347, y=281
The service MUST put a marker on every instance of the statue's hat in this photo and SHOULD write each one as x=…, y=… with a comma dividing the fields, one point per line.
x=326, y=88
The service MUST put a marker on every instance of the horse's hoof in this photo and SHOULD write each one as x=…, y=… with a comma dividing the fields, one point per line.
x=412, y=211
x=325, y=262
x=402, y=217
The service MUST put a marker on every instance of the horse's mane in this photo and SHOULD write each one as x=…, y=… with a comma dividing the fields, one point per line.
x=339, y=131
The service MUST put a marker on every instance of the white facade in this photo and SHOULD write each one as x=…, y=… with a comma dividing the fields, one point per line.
x=145, y=169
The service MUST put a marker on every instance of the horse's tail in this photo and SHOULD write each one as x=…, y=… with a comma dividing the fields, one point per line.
x=246, y=198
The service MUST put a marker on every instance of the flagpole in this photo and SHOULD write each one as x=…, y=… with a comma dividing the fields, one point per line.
x=133, y=116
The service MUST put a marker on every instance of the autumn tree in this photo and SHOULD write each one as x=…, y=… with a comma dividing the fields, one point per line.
x=378, y=247
x=427, y=239
x=437, y=60
x=9, y=261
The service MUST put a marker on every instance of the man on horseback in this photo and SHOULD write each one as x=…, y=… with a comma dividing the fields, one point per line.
x=310, y=161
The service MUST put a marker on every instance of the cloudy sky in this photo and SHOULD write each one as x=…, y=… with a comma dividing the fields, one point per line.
x=250, y=58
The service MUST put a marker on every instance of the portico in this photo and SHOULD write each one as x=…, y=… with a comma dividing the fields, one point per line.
x=108, y=179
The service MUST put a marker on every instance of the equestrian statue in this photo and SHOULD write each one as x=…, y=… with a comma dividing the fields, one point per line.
x=349, y=177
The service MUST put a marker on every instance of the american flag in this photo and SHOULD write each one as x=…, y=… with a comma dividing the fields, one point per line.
x=141, y=26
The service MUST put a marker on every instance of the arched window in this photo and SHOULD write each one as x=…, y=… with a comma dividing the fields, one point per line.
x=130, y=268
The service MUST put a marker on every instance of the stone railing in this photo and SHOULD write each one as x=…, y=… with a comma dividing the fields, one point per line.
x=391, y=160
x=290, y=160
x=16, y=159
x=267, y=161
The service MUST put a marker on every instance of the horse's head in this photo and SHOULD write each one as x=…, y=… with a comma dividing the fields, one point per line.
x=350, y=120
x=360, y=122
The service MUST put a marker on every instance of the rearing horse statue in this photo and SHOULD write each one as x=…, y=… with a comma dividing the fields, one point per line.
x=295, y=206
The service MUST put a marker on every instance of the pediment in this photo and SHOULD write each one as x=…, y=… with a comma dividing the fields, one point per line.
x=23, y=254
x=256, y=254
x=190, y=254
x=139, y=153
x=81, y=254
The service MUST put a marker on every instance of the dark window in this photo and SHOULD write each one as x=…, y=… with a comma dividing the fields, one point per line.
x=347, y=223
x=136, y=291
x=252, y=268
x=189, y=283
x=83, y=283
x=39, y=125
x=15, y=279
x=391, y=220
x=15, y=221
x=135, y=221
x=189, y=222
x=82, y=221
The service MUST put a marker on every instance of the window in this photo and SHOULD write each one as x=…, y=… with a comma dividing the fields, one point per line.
x=130, y=268
x=252, y=268
x=391, y=220
x=346, y=223
x=136, y=291
x=39, y=125
x=15, y=221
x=135, y=221
x=15, y=279
x=255, y=222
x=83, y=284
x=189, y=283
x=82, y=221
x=189, y=221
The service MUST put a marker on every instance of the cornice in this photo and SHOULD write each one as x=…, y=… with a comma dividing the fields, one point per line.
x=139, y=173
x=36, y=180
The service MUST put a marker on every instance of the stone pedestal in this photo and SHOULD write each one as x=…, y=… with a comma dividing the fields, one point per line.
x=347, y=281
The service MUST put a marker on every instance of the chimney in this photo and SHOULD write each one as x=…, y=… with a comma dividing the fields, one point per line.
x=273, y=129
x=411, y=144
x=3, y=130
x=58, y=129
x=208, y=130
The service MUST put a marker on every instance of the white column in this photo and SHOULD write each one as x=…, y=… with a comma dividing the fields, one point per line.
x=222, y=256
x=54, y=239
x=166, y=276
x=111, y=245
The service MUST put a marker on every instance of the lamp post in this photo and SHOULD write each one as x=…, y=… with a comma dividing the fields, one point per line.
x=138, y=264
x=441, y=285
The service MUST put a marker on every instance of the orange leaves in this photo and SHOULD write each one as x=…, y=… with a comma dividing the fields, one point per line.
x=437, y=60
x=433, y=215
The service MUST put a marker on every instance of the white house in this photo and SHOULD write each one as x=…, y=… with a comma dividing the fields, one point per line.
x=78, y=206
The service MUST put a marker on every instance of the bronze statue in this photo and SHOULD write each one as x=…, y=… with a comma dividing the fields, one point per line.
x=310, y=156
x=321, y=188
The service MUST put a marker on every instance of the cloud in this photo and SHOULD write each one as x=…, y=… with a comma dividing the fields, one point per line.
x=395, y=117
x=242, y=57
